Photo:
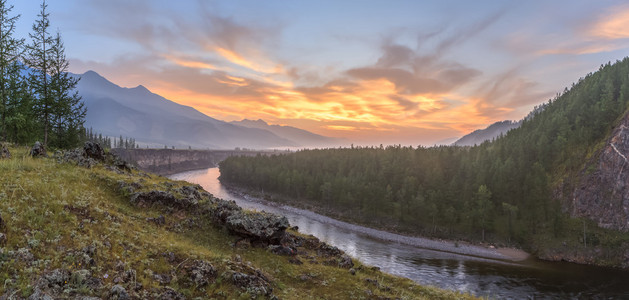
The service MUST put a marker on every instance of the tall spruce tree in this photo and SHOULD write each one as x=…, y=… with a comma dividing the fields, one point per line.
x=11, y=49
x=38, y=58
x=69, y=110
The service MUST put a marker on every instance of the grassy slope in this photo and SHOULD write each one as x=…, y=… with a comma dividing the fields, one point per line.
x=55, y=210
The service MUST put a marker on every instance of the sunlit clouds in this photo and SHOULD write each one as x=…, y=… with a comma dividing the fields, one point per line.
x=613, y=25
x=408, y=72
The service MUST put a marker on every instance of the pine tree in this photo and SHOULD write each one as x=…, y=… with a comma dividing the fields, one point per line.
x=10, y=52
x=38, y=58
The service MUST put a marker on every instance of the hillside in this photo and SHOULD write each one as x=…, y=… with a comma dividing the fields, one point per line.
x=555, y=186
x=82, y=225
x=301, y=137
x=492, y=131
x=152, y=119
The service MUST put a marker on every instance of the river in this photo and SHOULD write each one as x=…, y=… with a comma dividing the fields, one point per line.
x=477, y=274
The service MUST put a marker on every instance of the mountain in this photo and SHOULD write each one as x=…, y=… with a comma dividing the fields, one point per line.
x=493, y=131
x=557, y=185
x=152, y=119
x=497, y=129
x=302, y=137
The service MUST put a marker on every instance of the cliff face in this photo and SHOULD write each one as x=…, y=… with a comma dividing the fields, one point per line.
x=169, y=161
x=602, y=194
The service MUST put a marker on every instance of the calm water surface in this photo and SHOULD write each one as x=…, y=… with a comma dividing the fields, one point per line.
x=531, y=279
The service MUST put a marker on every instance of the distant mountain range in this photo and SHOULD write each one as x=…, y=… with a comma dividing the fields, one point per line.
x=302, y=137
x=154, y=120
x=493, y=131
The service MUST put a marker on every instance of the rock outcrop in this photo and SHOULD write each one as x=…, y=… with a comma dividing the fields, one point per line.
x=90, y=155
x=4, y=152
x=602, y=193
x=38, y=150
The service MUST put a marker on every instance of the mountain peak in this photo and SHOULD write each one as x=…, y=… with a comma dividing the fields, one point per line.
x=92, y=74
x=256, y=122
x=141, y=88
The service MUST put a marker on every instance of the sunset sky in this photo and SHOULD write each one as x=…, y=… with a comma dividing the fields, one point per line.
x=409, y=72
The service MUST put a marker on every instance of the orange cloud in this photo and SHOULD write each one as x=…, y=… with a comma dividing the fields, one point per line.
x=189, y=63
x=612, y=26
x=238, y=59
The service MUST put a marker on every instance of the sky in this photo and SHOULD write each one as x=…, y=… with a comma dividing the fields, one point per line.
x=376, y=72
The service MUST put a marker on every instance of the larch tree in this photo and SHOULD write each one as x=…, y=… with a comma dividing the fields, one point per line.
x=39, y=59
x=69, y=110
x=10, y=67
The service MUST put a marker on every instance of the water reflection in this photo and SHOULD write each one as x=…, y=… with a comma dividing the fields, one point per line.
x=481, y=277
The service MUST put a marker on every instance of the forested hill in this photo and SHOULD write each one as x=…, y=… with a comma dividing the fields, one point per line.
x=508, y=190
x=491, y=132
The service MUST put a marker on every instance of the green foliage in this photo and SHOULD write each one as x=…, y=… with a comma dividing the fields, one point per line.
x=42, y=104
x=502, y=188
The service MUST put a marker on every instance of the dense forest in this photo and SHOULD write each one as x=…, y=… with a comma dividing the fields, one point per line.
x=38, y=100
x=499, y=190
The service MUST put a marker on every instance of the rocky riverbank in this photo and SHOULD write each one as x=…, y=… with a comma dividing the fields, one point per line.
x=456, y=247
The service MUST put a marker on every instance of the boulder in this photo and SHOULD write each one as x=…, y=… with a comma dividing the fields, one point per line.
x=282, y=250
x=201, y=273
x=225, y=209
x=94, y=151
x=118, y=292
x=157, y=220
x=38, y=150
x=164, y=198
x=346, y=262
x=4, y=152
x=57, y=279
x=38, y=294
x=75, y=156
x=162, y=278
x=170, y=294
x=256, y=285
x=258, y=226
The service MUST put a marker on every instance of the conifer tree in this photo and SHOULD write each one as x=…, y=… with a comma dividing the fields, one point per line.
x=38, y=58
x=20, y=124
x=10, y=52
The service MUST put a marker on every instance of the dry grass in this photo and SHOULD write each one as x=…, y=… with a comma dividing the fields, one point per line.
x=54, y=210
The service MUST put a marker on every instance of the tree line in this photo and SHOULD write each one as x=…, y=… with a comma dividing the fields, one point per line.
x=38, y=100
x=107, y=142
x=499, y=190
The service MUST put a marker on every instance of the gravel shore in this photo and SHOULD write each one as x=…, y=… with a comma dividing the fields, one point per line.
x=462, y=248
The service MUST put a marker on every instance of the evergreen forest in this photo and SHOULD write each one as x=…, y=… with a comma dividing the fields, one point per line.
x=501, y=190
